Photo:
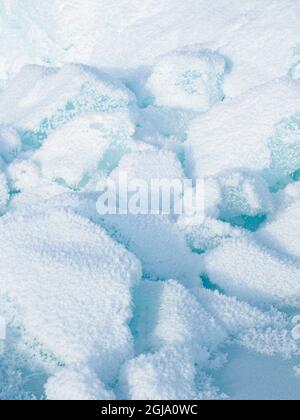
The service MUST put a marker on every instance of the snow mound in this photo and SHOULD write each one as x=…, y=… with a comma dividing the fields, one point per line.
x=74, y=153
x=150, y=164
x=10, y=143
x=207, y=235
x=188, y=80
x=69, y=264
x=169, y=96
x=166, y=375
x=262, y=332
x=158, y=244
x=154, y=239
x=40, y=100
x=243, y=195
x=244, y=269
x=235, y=135
x=252, y=64
x=283, y=232
x=76, y=384
x=174, y=317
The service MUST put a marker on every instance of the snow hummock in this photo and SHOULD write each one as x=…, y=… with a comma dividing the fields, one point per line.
x=149, y=306
x=59, y=260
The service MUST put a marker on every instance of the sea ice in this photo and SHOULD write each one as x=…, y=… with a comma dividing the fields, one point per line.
x=235, y=135
x=10, y=143
x=76, y=384
x=283, y=233
x=174, y=317
x=4, y=192
x=40, y=100
x=107, y=306
x=74, y=153
x=245, y=269
x=169, y=374
x=188, y=79
x=69, y=301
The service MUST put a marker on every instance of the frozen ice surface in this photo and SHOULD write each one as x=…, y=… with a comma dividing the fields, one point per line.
x=59, y=32
x=243, y=195
x=283, y=233
x=262, y=332
x=4, y=192
x=188, y=80
x=174, y=317
x=73, y=153
x=69, y=301
x=158, y=243
x=155, y=239
x=105, y=306
x=10, y=143
x=41, y=99
x=166, y=375
x=245, y=269
x=76, y=384
x=236, y=135
x=248, y=376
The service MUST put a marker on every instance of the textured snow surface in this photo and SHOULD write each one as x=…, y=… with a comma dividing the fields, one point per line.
x=113, y=306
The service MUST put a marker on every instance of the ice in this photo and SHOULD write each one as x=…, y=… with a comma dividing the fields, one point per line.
x=262, y=332
x=58, y=32
x=244, y=195
x=4, y=193
x=76, y=384
x=252, y=64
x=43, y=99
x=283, y=232
x=148, y=165
x=248, y=376
x=102, y=306
x=206, y=235
x=23, y=175
x=159, y=245
x=188, y=80
x=154, y=239
x=165, y=375
x=235, y=135
x=74, y=153
x=175, y=323
x=174, y=317
x=10, y=143
x=69, y=264
x=284, y=145
x=249, y=271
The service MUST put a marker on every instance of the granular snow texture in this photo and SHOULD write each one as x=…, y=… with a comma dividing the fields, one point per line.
x=149, y=305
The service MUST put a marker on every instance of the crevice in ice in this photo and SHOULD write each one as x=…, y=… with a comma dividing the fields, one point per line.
x=210, y=285
x=249, y=223
x=285, y=154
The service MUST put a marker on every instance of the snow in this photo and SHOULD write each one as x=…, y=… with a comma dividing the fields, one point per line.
x=189, y=79
x=4, y=193
x=250, y=121
x=10, y=143
x=175, y=317
x=73, y=153
x=44, y=99
x=165, y=375
x=159, y=245
x=283, y=232
x=68, y=265
x=99, y=306
x=76, y=384
x=250, y=271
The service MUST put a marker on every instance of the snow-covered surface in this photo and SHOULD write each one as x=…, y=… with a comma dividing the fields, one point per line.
x=149, y=306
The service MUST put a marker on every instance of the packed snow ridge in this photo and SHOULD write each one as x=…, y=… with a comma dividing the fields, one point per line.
x=149, y=306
